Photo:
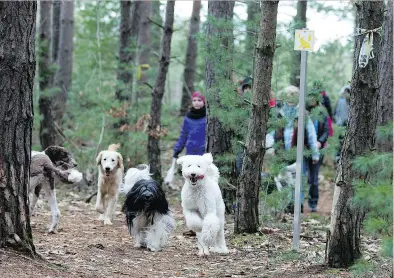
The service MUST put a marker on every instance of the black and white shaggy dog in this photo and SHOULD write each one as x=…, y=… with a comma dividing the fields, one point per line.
x=148, y=216
x=45, y=168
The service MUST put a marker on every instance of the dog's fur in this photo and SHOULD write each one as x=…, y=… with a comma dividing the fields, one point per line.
x=202, y=202
x=54, y=162
x=111, y=170
x=148, y=216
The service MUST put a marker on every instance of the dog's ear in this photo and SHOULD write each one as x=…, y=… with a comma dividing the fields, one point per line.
x=98, y=158
x=120, y=160
x=208, y=158
x=180, y=160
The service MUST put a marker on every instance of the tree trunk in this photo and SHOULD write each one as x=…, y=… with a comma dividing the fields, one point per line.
x=144, y=47
x=17, y=67
x=190, y=61
x=44, y=58
x=346, y=218
x=155, y=129
x=253, y=11
x=218, y=66
x=385, y=102
x=124, y=74
x=56, y=11
x=247, y=217
x=156, y=31
x=47, y=128
x=65, y=60
x=299, y=23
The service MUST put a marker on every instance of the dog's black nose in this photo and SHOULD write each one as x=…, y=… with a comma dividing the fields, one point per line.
x=193, y=175
x=148, y=197
x=107, y=169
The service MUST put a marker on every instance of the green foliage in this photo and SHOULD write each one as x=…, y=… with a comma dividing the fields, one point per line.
x=362, y=269
x=373, y=193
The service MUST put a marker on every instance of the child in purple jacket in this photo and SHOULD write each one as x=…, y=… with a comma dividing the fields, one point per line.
x=193, y=129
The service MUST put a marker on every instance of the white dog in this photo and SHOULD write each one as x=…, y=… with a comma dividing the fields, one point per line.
x=111, y=170
x=202, y=202
x=148, y=216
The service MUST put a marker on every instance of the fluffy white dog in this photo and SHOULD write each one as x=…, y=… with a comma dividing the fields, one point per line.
x=148, y=216
x=202, y=202
x=111, y=169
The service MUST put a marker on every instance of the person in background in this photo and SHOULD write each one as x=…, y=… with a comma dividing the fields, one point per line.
x=321, y=126
x=342, y=114
x=327, y=104
x=192, y=134
x=287, y=135
x=342, y=107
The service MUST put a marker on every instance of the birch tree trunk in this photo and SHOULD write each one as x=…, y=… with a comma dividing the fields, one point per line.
x=249, y=182
x=65, y=60
x=155, y=129
x=346, y=218
x=190, y=61
x=17, y=67
x=299, y=23
x=385, y=103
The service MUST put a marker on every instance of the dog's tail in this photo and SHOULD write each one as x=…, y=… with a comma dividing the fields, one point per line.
x=113, y=147
x=133, y=175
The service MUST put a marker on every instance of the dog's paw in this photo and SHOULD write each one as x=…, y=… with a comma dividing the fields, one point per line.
x=140, y=245
x=153, y=248
x=201, y=253
x=101, y=217
x=100, y=209
x=221, y=250
x=107, y=221
x=52, y=231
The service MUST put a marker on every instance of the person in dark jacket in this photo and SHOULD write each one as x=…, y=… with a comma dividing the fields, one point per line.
x=192, y=134
x=322, y=132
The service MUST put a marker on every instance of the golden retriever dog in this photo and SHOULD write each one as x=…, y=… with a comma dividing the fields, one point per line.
x=111, y=170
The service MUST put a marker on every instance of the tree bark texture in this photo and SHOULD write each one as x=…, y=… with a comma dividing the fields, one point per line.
x=47, y=127
x=218, y=70
x=65, y=61
x=346, y=218
x=299, y=23
x=155, y=129
x=124, y=74
x=156, y=31
x=144, y=45
x=249, y=182
x=385, y=102
x=253, y=11
x=17, y=68
x=56, y=11
x=44, y=59
x=190, y=61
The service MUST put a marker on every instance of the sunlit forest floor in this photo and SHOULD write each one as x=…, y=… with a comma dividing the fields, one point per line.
x=84, y=248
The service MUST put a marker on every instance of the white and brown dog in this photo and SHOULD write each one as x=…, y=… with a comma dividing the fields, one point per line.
x=111, y=170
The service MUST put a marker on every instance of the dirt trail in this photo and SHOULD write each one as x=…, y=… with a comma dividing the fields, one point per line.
x=85, y=248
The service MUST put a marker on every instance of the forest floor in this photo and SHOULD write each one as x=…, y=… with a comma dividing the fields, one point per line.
x=83, y=247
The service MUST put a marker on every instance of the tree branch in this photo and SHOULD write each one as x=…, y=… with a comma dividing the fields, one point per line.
x=161, y=26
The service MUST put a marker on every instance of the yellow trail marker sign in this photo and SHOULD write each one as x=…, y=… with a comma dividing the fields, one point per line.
x=304, y=40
